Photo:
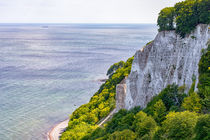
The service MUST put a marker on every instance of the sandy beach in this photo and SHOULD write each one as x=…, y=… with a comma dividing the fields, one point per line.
x=57, y=130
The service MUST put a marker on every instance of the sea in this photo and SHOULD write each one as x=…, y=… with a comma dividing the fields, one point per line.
x=49, y=70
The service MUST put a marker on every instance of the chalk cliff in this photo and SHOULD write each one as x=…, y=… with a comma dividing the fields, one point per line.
x=168, y=59
x=120, y=95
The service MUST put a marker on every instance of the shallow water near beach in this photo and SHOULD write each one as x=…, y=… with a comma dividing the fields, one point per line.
x=48, y=70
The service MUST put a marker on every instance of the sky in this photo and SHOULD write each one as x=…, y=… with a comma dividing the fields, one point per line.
x=82, y=11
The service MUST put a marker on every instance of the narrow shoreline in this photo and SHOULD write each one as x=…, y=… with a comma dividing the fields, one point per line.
x=57, y=130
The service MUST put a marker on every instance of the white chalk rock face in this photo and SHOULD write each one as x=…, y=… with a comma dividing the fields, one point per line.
x=120, y=95
x=168, y=59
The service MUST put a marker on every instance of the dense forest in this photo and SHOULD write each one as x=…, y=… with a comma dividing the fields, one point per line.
x=172, y=114
x=184, y=16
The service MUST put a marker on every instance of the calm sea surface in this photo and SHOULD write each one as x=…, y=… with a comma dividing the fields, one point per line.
x=48, y=70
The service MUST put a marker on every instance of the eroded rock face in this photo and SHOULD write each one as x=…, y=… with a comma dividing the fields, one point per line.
x=120, y=95
x=168, y=59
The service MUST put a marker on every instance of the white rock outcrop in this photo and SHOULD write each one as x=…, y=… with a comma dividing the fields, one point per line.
x=168, y=59
x=120, y=95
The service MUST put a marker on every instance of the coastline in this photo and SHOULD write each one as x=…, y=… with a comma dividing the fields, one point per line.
x=57, y=130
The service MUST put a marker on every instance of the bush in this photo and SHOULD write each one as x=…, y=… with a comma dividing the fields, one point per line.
x=144, y=125
x=78, y=132
x=120, y=121
x=202, y=128
x=159, y=111
x=97, y=133
x=123, y=135
x=192, y=103
x=179, y=125
x=170, y=96
x=115, y=67
x=204, y=74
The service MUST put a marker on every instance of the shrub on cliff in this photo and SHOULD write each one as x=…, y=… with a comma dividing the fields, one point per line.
x=204, y=79
x=123, y=135
x=192, y=103
x=178, y=126
x=115, y=67
x=144, y=126
x=121, y=120
x=78, y=132
x=204, y=74
x=170, y=96
x=202, y=128
x=159, y=111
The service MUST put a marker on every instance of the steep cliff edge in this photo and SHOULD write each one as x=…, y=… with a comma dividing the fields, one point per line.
x=120, y=95
x=168, y=59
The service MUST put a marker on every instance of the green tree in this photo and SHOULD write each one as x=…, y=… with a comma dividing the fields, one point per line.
x=159, y=111
x=170, y=96
x=114, y=67
x=144, y=125
x=192, y=88
x=104, y=112
x=166, y=19
x=123, y=135
x=179, y=125
x=202, y=128
x=204, y=79
x=204, y=74
x=186, y=15
x=97, y=133
x=120, y=121
x=192, y=103
x=77, y=132
x=204, y=12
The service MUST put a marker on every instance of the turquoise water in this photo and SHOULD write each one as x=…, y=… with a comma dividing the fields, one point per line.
x=48, y=70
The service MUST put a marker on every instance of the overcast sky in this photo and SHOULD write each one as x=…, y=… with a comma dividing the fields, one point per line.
x=82, y=11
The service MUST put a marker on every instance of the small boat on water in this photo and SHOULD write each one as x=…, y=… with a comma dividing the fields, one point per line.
x=44, y=26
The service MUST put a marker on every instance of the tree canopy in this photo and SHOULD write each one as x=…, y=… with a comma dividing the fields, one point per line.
x=184, y=16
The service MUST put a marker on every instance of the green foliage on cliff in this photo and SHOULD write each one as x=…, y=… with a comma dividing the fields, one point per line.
x=192, y=103
x=144, y=125
x=84, y=119
x=122, y=120
x=178, y=126
x=159, y=111
x=204, y=79
x=202, y=128
x=170, y=96
x=184, y=16
x=115, y=67
x=158, y=123
x=204, y=74
x=123, y=135
x=172, y=114
x=166, y=19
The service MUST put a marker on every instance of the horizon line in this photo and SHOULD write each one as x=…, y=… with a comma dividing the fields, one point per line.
x=67, y=23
